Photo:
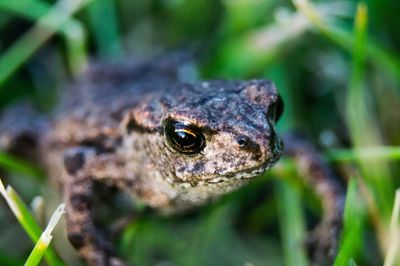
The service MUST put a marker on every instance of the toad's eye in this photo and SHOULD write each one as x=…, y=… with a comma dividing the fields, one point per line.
x=184, y=138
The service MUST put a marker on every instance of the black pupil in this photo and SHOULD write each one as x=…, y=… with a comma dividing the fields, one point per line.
x=184, y=138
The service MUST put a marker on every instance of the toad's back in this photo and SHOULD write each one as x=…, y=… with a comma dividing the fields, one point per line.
x=94, y=105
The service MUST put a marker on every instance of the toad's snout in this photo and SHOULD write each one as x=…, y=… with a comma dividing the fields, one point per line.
x=262, y=147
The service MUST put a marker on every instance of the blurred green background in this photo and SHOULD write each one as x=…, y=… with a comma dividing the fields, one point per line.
x=336, y=64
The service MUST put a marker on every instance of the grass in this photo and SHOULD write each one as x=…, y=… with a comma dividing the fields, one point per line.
x=32, y=228
x=336, y=65
x=57, y=18
x=42, y=244
x=392, y=255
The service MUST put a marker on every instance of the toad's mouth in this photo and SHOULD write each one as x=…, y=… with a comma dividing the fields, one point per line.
x=244, y=174
x=251, y=172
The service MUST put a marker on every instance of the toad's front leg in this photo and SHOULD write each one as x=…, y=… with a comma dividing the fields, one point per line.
x=323, y=241
x=83, y=167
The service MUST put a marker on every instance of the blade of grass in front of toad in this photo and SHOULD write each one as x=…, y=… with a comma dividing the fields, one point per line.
x=44, y=241
x=27, y=221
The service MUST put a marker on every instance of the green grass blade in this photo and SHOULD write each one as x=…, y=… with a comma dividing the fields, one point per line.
x=12, y=164
x=360, y=27
x=365, y=154
x=31, y=41
x=104, y=24
x=27, y=221
x=393, y=251
x=364, y=128
x=387, y=153
x=291, y=222
x=72, y=30
x=252, y=51
x=345, y=39
x=354, y=218
x=43, y=243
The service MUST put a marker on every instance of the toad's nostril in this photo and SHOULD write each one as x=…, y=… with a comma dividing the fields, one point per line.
x=246, y=144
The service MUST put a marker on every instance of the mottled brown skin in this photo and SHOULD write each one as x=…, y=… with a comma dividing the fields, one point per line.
x=110, y=128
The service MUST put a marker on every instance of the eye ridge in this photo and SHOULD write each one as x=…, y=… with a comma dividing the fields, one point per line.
x=183, y=137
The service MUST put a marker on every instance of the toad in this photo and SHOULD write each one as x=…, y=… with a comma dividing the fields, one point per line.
x=173, y=145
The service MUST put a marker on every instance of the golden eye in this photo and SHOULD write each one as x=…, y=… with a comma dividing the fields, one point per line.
x=184, y=138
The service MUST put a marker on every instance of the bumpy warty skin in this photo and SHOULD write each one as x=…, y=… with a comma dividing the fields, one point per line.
x=227, y=111
x=114, y=126
x=123, y=112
